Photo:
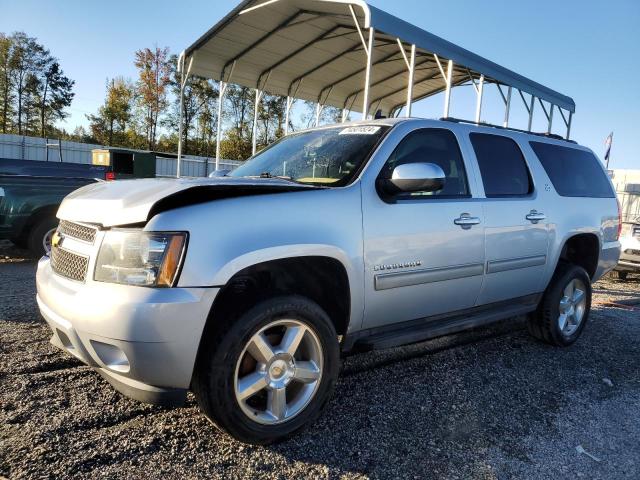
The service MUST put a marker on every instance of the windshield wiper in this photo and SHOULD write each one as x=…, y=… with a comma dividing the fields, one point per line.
x=281, y=177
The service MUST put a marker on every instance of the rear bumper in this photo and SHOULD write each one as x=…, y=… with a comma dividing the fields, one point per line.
x=144, y=341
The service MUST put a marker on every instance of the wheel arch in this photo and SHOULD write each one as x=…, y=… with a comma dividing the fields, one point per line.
x=36, y=216
x=582, y=249
x=325, y=279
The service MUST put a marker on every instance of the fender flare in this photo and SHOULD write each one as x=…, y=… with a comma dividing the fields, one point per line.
x=235, y=265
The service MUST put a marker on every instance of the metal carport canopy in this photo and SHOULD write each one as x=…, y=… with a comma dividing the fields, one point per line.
x=350, y=55
x=316, y=41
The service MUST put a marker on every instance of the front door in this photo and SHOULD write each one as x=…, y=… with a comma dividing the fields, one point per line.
x=423, y=252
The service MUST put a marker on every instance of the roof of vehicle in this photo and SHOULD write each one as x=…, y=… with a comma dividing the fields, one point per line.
x=313, y=50
x=455, y=124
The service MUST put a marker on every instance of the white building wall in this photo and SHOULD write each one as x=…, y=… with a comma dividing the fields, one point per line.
x=627, y=184
x=20, y=147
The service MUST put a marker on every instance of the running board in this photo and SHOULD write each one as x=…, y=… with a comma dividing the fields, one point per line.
x=429, y=328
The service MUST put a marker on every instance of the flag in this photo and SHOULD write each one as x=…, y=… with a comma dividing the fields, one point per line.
x=607, y=143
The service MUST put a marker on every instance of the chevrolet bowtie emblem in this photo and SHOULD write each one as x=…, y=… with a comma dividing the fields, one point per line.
x=56, y=240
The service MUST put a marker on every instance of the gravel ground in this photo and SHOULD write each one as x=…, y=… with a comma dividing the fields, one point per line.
x=492, y=403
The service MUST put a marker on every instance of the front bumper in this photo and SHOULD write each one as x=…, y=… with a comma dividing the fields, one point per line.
x=144, y=341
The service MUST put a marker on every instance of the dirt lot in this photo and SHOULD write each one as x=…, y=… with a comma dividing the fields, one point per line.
x=492, y=403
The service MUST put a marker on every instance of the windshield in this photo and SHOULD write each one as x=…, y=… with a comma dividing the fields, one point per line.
x=329, y=157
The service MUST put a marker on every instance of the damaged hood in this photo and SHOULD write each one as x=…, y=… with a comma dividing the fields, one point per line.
x=126, y=202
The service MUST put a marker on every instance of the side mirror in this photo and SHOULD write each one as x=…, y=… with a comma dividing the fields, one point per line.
x=415, y=177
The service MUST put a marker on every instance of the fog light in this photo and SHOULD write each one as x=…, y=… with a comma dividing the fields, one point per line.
x=112, y=357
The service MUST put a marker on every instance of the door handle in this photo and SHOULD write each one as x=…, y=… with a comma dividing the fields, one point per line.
x=466, y=221
x=536, y=216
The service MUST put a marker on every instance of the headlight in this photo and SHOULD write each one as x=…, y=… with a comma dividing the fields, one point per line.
x=134, y=257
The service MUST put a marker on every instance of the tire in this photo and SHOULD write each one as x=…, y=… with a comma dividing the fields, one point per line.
x=20, y=242
x=227, y=350
x=37, y=234
x=547, y=322
x=617, y=274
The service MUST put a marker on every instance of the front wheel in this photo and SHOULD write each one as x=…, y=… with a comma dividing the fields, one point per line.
x=270, y=372
x=564, y=310
x=40, y=235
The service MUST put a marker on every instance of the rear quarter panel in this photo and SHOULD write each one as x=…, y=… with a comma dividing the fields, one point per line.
x=570, y=216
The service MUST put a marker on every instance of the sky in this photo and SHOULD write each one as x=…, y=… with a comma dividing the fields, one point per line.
x=586, y=49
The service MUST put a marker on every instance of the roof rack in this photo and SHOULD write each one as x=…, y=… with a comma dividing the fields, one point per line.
x=502, y=127
x=350, y=55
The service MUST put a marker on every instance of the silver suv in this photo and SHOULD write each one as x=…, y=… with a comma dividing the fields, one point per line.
x=246, y=289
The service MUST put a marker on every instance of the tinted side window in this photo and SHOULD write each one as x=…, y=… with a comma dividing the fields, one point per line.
x=573, y=172
x=432, y=145
x=504, y=171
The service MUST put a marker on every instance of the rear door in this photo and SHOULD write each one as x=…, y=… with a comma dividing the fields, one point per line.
x=423, y=252
x=516, y=226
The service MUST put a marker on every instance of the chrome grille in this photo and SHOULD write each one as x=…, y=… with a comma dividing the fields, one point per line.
x=80, y=232
x=68, y=264
x=636, y=231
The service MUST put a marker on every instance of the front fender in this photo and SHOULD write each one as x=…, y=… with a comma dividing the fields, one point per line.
x=227, y=236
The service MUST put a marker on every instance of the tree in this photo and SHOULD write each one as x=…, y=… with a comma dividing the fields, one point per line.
x=238, y=109
x=110, y=123
x=6, y=90
x=328, y=115
x=55, y=94
x=27, y=59
x=199, y=96
x=234, y=147
x=154, y=77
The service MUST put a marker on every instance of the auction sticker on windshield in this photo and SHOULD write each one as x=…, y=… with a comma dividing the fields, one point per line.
x=366, y=130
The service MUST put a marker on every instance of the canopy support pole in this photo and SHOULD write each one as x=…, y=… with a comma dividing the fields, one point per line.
x=507, y=104
x=287, y=113
x=256, y=107
x=480, y=90
x=184, y=78
x=531, y=108
x=448, y=80
x=222, y=89
x=290, y=100
x=411, y=66
x=567, y=122
x=319, y=109
x=367, y=79
x=550, y=118
x=368, y=49
x=346, y=110
x=320, y=105
x=256, y=110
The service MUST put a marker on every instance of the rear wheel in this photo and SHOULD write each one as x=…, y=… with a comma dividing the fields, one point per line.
x=269, y=373
x=39, y=238
x=564, y=310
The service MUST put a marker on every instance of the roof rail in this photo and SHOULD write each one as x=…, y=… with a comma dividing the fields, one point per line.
x=501, y=127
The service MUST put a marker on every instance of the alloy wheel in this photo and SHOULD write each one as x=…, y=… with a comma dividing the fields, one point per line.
x=278, y=372
x=572, y=307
